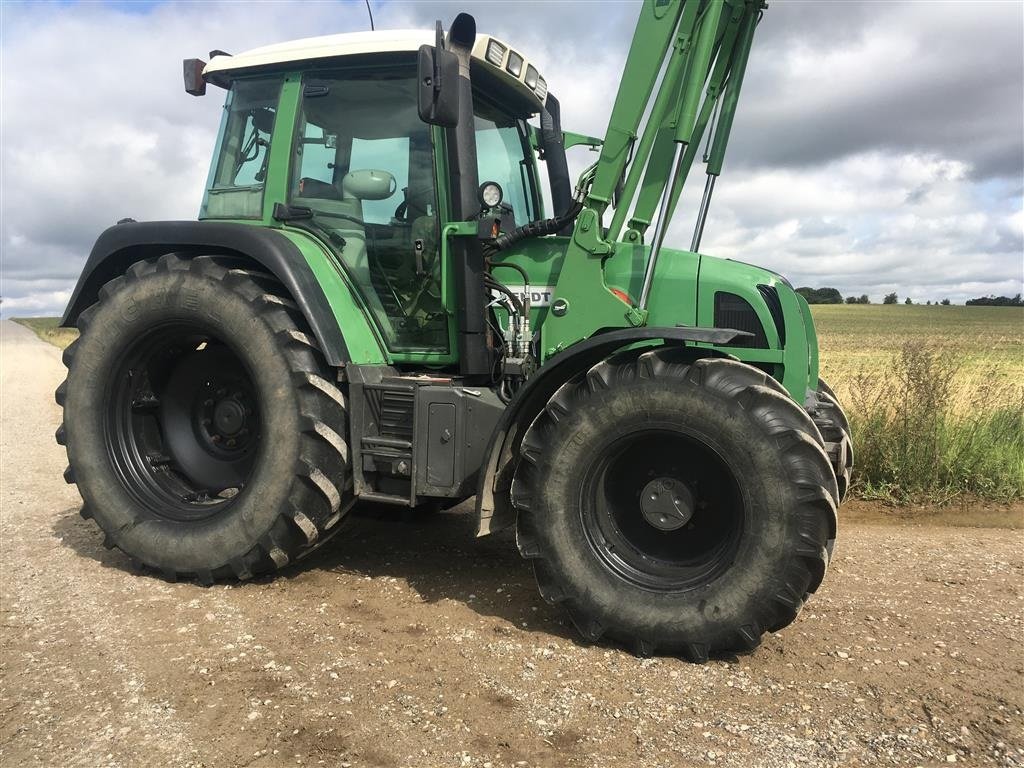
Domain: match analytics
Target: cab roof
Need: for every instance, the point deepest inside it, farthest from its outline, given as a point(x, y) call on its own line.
point(490, 55)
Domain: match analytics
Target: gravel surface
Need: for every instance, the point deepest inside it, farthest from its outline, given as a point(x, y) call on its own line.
point(410, 643)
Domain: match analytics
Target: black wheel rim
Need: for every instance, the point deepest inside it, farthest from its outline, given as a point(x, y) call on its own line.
point(183, 422)
point(685, 537)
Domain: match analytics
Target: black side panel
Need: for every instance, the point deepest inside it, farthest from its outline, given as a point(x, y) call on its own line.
point(736, 312)
point(122, 245)
point(493, 509)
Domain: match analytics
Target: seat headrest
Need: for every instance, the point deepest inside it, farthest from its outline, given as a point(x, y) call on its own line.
point(368, 185)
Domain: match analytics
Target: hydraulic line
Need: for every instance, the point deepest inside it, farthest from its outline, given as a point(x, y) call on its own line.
point(493, 284)
point(662, 226)
point(516, 267)
point(702, 214)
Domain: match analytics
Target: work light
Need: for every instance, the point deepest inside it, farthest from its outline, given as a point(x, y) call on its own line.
point(531, 76)
point(515, 63)
point(490, 194)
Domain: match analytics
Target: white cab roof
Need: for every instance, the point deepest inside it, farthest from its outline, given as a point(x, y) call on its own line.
point(323, 47)
point(385, 41)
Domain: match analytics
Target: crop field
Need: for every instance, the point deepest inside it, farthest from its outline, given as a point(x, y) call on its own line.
point(984, 344)
point(935, 397)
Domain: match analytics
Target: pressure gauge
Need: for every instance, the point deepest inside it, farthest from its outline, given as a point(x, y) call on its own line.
point(490, 194)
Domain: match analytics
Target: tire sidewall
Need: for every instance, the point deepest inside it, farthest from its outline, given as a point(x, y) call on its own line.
point(135, 306)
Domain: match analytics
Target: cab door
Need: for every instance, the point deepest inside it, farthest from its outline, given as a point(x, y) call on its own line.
point(365, 165)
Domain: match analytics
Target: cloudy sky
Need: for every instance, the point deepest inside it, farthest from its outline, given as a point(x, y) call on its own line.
point(879, 146)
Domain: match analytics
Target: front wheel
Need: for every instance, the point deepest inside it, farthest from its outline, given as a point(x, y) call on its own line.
point(675, 505)
point(201, 424)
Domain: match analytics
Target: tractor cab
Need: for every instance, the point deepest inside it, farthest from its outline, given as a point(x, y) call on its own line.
point(364, 171)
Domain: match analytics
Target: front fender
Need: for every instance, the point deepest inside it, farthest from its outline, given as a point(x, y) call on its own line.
point(123, 244)
point(494, 509)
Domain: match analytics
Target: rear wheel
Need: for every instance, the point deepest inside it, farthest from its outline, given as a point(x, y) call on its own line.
point(675, 505)
point(201, 423)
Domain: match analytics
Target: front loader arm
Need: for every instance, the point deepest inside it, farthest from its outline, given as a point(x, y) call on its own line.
point(701, 47)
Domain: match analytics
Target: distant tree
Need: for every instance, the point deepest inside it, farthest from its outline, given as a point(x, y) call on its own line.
point(945, 302)
point(995, 301)
point(928, 303)
point(821, 295)
point(908, 301)
point(890, 298)
point(863, 299)
point(851, 300)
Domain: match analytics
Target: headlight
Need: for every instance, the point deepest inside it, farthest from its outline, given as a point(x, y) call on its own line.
point(490, 194)
point(531, 76)
point(515, 63)
point(496, 53)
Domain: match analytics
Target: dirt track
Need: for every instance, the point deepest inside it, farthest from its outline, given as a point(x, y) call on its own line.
point(412, 644)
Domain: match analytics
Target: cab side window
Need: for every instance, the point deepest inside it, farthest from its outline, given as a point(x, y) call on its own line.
point(236, 182)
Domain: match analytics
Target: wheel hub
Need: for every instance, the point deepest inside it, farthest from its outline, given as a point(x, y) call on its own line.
point(666, 503)
point(229, 417)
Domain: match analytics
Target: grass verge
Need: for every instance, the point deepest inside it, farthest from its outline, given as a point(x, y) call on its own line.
point(918, 437)
point(46, 328)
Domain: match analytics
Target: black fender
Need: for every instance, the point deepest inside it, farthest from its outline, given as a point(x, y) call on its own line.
point(494, 509)
point(120, 246)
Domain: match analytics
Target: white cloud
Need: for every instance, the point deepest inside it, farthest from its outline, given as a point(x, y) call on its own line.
point(877, 145)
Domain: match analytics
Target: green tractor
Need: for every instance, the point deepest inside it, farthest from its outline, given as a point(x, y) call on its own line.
point(374, 306)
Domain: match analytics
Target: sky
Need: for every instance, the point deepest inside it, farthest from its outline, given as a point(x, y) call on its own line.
point(878, 146)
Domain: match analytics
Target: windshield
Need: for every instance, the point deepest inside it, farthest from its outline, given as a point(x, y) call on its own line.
point(504, 156)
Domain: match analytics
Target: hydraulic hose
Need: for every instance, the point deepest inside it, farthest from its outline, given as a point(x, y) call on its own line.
point(534, 229)
point(516, 267)
point(493, 284)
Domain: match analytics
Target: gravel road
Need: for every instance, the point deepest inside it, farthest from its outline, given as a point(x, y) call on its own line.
point(409, 643)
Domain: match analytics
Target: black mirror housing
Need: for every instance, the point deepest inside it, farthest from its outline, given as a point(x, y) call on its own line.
point(438, 91)
point(194, 82)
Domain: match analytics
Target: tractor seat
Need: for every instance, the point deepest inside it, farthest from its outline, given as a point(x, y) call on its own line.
point(347, 203)
point(318, 189)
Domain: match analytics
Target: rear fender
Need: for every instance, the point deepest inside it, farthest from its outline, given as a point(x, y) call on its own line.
point(494, 509)
point(120, 246)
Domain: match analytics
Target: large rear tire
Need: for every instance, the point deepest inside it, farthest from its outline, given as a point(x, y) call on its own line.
point(675, 505)
point(201, 423)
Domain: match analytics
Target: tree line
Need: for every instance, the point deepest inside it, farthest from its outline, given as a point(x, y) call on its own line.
point(833, 296)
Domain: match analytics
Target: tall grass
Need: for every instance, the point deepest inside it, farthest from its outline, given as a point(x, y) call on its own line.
point(918, 436)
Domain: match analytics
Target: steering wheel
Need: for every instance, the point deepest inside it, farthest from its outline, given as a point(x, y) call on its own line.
point(416, 202)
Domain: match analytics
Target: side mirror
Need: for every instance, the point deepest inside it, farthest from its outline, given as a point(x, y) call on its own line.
point(194, 83)
point(438, 77)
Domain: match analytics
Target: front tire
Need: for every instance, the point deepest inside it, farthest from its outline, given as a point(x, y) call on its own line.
point(675, 505)
point(201, 423)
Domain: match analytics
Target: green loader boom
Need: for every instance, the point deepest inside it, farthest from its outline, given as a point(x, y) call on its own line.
point(374, 307)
